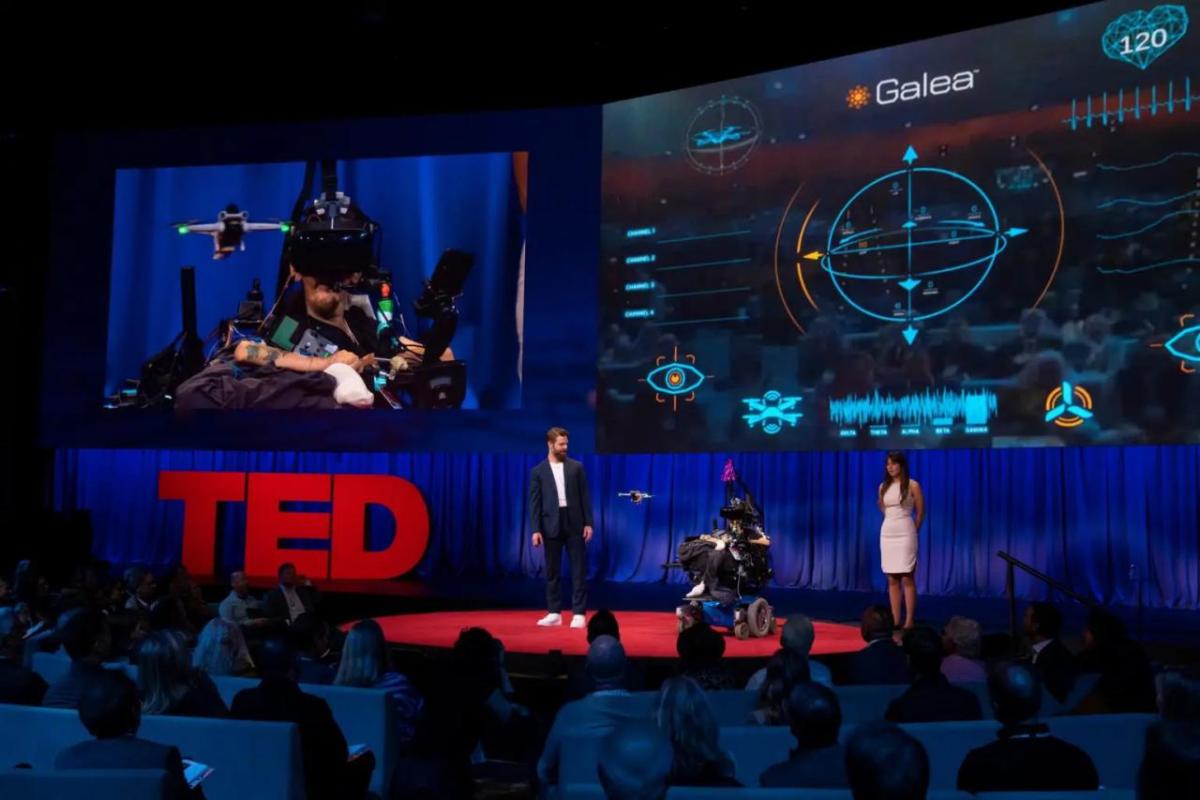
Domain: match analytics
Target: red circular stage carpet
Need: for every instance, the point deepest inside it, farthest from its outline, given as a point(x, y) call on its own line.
point(645, 634)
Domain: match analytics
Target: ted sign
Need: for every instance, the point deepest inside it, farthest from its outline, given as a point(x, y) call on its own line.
point(343, 526)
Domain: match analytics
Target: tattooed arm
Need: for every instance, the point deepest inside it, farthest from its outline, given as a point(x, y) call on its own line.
point(248, 352)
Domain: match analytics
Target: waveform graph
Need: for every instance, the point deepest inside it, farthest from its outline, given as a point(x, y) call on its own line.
point(1123, 106)
point(939, 409)
point(1150, 221)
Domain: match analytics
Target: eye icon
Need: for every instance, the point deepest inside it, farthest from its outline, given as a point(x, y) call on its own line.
point(1184, 345)
point(675, 377)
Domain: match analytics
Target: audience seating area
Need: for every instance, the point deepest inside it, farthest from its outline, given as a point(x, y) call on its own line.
point(236, 750)
point(94, 784)
point(364, 715)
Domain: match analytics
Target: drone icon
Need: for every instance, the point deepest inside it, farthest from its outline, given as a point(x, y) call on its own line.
point(772, 411)
point(715, 137)
point(1068, 406)
point(635, 495)
point(229, 230)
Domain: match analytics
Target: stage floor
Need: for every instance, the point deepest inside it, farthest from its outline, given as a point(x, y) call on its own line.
point(645, 634)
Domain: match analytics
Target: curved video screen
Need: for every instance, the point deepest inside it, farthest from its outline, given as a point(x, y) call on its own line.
point(352, 285)
point(986, 239)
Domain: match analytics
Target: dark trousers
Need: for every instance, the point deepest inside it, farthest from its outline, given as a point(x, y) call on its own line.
point(577, 551)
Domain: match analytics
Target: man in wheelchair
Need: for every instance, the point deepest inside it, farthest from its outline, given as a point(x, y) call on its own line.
point(732, 561)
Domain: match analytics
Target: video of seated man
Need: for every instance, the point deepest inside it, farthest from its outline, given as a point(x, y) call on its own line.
point(428, 320)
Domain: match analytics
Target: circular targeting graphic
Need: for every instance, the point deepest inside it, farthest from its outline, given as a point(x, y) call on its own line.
point(722, 135)
point(907, 245)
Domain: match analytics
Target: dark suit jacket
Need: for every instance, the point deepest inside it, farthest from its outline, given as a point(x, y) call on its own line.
point(934, 700)
point(322, 744)
point(1056, 668)
point(275, 604)
point(819, 768)
point(67, 691)
point(545, 516)
point(127, 752)
point(1017, 762)
point(880, 662)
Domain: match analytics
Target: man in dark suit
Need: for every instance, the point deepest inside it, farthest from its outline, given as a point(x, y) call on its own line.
point(1051, 660)
point(882, 660)
point(291, 598)
point(931, 698)
point(327, 773)
point(561, 511)
point(817, 760)
point(606, 708)
point(1024, 757)
point(87, 640)
point(111, 711)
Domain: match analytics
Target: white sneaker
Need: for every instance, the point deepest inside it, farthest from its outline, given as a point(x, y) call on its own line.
point(696, 591)
point(579, 621)
point(550, 620)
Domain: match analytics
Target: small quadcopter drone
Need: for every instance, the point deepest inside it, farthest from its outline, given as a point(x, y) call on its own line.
point(228, 232)
point(636, 495)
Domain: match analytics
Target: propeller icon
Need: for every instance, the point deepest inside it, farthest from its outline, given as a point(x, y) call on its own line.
point(1068, 406)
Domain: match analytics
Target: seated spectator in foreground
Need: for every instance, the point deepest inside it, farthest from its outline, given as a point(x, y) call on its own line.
point(327, 773)
point(885, 763)
point(221, 650)
point(962, 643)
point(1025, 757)
point(1126, 683)
point(110, 710)
point(602, 623)
point(635, 762)
point(1054, 664)
point(700, 650)
point(785, 669)
point(365, 664)
point(688, 721)
point(798, 635)
point(817, 761)
point(85, 637)
point(19, 685)
point(931, 698)
point(1170, 766)
point(317, 663)
point(881, 661)
point(601, 711)
point(169, 684)
point(1178, 695)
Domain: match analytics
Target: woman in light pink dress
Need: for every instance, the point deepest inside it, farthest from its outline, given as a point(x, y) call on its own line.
point(899, 496)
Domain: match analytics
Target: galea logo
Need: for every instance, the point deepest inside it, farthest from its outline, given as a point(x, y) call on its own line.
point(893, 90)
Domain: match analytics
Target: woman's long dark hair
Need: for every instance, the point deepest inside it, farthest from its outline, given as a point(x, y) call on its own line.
point(898, 458)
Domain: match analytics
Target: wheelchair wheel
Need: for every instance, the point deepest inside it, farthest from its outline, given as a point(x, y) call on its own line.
point(742, 630)
point(759, 617)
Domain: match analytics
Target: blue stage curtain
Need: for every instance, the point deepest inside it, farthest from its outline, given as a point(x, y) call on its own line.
point(1103, 519)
